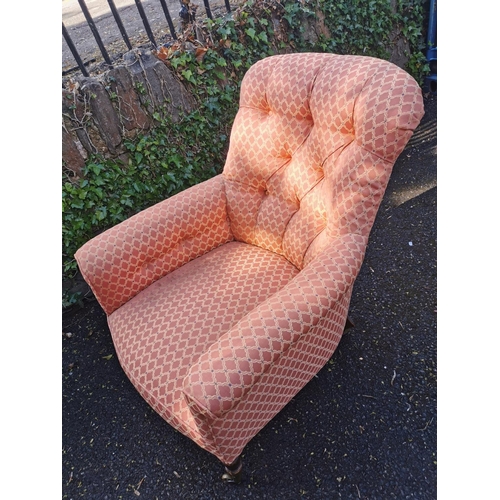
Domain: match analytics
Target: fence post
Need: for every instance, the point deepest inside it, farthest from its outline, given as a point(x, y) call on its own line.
point(169, 19)
point(118, 20)
point(73, 50)
point(140, 8)
point(207, 8)
point(93, 28)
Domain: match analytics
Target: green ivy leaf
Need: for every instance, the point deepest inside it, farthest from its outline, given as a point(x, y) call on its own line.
point(77, 204)
point(263, 36)
point(250, 32)
point(101, 213)
point(188, 75)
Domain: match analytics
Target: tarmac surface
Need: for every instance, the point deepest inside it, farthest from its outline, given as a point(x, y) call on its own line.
point(363, 428)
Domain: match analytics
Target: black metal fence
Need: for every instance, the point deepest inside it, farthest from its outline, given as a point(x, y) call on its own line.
point(186, 13)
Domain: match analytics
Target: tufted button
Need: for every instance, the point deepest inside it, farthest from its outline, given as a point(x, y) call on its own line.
point(319, 168)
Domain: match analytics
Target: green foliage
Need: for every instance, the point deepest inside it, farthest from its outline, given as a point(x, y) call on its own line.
point(71, 298)
point(366, 27)
point(410, 21)
point(359, 26)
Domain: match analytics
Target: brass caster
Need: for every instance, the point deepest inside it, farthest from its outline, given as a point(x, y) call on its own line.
point(233, 472)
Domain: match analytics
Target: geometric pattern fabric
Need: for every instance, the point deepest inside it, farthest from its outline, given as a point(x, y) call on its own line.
point(162, 332)
point(132, 255)
point(226, 299)
point(312, 149)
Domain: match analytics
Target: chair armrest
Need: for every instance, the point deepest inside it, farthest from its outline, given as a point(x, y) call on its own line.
point(122, 261)
point(233, 365)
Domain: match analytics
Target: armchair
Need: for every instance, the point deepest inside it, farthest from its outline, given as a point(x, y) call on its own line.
point(225, 300)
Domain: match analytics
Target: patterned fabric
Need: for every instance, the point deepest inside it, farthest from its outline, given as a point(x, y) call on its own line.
point(225, 300)
point(312, 149)
point(163, 331)
point(129, 257)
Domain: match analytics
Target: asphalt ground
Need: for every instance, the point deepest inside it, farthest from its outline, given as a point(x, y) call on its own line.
point(363, 428)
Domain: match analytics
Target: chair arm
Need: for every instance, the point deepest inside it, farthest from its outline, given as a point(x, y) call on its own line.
point(122, 261)
point(234, 364)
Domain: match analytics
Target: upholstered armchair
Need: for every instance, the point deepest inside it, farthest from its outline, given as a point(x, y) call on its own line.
point(225, 300)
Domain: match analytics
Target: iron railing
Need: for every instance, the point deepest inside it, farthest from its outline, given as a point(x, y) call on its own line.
point(186, 13)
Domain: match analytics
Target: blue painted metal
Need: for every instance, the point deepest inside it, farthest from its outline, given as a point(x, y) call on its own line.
point(430, 84)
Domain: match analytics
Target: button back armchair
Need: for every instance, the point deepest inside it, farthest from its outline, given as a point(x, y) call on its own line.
point(225, 300)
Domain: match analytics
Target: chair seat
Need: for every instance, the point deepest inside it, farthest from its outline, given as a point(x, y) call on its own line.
point(164, 329)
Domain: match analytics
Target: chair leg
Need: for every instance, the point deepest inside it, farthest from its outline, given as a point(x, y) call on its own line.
point(233, 472)
point(348, 324)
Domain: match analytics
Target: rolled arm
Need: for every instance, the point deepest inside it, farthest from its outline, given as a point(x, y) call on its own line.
point(232, 366)
point(125, 259)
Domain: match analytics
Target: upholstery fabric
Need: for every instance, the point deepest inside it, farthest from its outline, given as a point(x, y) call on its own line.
point(312, 149)
point(132, 255)
point(225, 300)
point(160, 333)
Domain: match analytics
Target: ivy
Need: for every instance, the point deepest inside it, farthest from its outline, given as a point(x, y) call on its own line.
point(358, 26)
point(365, 28)
point(410, 21)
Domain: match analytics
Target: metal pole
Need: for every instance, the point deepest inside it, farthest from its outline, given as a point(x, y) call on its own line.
point(228, 7)
point(72, 47)
point(93, 28)
point(140, 8)
point(207, 8)
point(169, 19)
point(120, 24)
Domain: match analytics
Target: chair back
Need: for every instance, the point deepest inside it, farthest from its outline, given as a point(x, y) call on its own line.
point(312, 148)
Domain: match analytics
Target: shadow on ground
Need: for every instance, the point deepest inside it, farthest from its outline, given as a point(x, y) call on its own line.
point(364, 428)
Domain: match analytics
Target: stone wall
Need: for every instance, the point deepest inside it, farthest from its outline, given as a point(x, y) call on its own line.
point(100, 112)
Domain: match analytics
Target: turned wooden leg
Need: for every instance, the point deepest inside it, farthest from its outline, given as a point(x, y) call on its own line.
point(233, 472)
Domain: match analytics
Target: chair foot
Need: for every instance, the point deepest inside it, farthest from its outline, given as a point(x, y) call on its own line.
point(348, 324)
point(233, 472)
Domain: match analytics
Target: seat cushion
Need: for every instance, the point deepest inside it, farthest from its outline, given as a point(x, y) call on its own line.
point(163, 330)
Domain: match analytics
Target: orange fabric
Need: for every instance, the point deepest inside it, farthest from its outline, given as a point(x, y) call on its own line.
point(225, 300)
point(162, 332)
point(234, 364)
point(312, 149)
point(284, 379)
point(129, 257)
